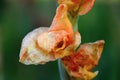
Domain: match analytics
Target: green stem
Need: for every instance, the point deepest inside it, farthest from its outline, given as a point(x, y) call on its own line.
point(75, 24)
point(74, 21)
point(63, 73)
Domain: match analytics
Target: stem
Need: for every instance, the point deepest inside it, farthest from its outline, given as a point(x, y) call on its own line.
point(63, 74)
point(74, 21)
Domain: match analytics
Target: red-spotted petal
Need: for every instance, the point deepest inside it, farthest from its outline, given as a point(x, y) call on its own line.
point(82, 62)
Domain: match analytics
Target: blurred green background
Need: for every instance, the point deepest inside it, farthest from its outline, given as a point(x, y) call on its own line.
point(18, 17)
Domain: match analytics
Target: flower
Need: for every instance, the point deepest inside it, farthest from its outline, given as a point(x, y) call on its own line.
point(81, 7)
point(84, 60)
point(61, 41)
point(48, 44)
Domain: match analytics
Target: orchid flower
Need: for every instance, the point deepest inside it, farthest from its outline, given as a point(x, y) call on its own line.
point(48, 44)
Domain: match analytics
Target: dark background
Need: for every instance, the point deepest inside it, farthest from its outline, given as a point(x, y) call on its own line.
point(18, 17)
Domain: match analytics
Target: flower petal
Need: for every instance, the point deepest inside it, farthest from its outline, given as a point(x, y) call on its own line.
point(61, 21)
point(59, 36)
point(71, 48)
point(77, 39)
point(57, 43)
point(30, 53)
point(60, 32)
point(82, 62)
point(53, 40)
point(86, 6)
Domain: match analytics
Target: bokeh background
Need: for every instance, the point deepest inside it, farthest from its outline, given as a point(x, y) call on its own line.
point(18, 17)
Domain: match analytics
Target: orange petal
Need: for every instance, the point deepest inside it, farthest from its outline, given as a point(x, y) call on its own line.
point(61, 21)
point(71, 48)
point(80, 64)
point(59, 36)
point(86, 6)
